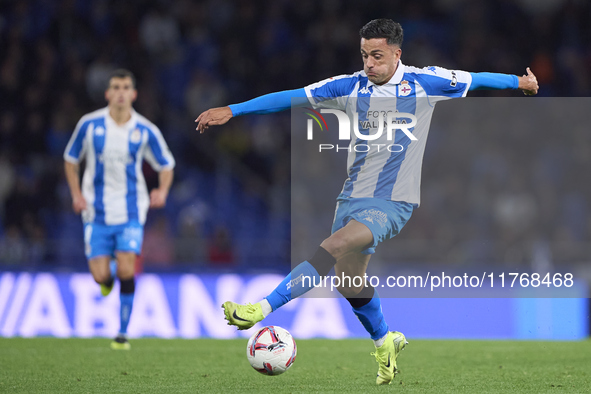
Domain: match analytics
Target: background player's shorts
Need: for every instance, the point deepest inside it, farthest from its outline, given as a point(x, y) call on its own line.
point(104, 240)
point(384, 218)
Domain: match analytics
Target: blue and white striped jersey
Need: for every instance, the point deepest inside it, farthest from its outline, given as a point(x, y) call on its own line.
point(389, 173)
point(113, 183)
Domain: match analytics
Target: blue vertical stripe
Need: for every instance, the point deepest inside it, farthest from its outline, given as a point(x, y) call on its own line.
point(99, 175)
point(362, 108)
point(131, 175)
point(389, 174)
point(76, 147)
point(156, 148)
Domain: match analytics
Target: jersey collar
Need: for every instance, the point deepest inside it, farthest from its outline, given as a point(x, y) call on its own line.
point(130, 123)
point(396, 78)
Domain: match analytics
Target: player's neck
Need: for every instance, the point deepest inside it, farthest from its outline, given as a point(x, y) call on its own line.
point(120, 115)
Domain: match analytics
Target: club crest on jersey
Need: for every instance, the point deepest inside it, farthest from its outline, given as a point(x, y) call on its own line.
point(404, 89)
point(99, 131)
point(136, 136)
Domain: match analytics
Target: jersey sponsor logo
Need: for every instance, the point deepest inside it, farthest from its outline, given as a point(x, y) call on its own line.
point(365, 90)
point(394, 121)
point(433, 69)
point(404, 89)
point(454, 79)
point(116, 157)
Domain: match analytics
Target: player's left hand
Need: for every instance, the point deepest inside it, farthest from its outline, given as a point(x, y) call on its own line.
point(213, 117)
point(528, 83)
point(158, 198)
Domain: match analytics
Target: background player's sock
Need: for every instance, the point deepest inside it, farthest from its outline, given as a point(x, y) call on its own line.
point(317, 267)
point(113, 268)
point(126, 297)
point(113, 271)
point(368, 308)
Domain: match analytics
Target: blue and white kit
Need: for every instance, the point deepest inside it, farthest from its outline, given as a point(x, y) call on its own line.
point(390, 175)
point(393, 174)
point(113, 184)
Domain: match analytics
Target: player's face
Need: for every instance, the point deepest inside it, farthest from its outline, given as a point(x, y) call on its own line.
point(121, 92)
point(379, 59)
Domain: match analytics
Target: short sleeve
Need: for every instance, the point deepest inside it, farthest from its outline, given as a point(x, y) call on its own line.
point(75, 149)
point(331, 93)
point(441, 84)
point(159, 156)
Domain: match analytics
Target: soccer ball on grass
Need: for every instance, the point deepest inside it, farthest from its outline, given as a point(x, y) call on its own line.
point(271, 350)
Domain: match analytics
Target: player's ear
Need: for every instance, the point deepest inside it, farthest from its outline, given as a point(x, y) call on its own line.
point(134, 95)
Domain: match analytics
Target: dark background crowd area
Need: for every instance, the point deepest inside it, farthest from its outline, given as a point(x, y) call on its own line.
point(229, 207)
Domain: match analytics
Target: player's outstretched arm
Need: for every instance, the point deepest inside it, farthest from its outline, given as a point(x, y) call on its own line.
point(266, 104)
point(494, 81)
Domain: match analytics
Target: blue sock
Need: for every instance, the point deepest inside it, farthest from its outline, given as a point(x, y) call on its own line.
point(289, 288)
point(113, 268)
point(125, 311)
point(126, 297)
point(372, 318)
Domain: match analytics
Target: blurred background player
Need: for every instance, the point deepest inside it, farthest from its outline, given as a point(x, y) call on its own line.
point(113, 198)
point(378, 197)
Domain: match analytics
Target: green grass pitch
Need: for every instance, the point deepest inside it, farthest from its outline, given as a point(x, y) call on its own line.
point(51, 365)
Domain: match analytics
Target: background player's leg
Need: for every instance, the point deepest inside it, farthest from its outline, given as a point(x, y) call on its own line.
point(364, 299)
point(99, 268)
point(125, 273)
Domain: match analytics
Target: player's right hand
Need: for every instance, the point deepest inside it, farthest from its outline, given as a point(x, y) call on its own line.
point(213, 117)
point(78, 203)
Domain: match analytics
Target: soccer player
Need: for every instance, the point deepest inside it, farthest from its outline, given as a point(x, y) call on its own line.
point(382, 188)
point(113, 198)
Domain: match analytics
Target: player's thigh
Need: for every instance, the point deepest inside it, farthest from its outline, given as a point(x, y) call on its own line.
point(126, 264)
point(129, 237)
point(354, 237)
point(99, 268)
point(129, 244)
point(353, 266)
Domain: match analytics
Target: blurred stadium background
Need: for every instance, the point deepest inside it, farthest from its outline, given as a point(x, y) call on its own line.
point(229, 208)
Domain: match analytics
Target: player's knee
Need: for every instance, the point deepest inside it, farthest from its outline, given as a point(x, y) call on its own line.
point(101, 277)
point(125, 272)
point(336, 245)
